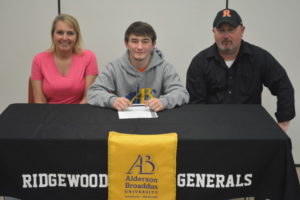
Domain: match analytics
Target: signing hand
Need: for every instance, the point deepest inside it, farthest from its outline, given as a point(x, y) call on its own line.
point(155, 104)
point(121, 103)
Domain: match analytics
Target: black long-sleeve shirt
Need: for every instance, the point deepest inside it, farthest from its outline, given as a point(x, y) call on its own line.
point(210, 81)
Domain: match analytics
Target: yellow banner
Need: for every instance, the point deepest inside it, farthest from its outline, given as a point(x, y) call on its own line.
point(142, 166)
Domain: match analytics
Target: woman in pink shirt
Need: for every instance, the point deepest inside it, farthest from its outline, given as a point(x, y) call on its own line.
point(63, 74)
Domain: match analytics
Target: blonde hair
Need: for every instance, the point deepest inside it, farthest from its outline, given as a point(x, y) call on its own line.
point(71, 21)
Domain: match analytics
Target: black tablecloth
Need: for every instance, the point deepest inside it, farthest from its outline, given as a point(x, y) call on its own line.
point(232, 141)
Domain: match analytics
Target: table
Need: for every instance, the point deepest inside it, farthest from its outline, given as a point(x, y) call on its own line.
point(224, 151)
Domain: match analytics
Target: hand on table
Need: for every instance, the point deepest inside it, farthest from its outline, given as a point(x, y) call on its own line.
point(155, 104)
point(121, 103)
point(284, 125)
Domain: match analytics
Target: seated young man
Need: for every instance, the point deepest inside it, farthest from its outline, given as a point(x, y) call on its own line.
point(140, 76)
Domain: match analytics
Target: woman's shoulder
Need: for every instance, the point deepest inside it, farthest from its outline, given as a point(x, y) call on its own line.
point(87, 52)
point(86, 55)
point(43, 55)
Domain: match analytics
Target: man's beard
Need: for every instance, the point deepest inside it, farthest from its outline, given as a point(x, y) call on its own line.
point(227, 50)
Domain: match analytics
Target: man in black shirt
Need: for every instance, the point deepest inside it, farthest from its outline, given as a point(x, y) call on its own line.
point(232, 71)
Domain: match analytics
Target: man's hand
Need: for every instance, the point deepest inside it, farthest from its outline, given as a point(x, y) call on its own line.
point(284, 125)
point(121, 103)
point(155, 104)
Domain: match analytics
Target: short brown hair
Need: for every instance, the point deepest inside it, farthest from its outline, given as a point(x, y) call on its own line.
point(140, 29)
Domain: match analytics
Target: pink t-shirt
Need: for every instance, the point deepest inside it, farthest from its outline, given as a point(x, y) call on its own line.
point(60, 89)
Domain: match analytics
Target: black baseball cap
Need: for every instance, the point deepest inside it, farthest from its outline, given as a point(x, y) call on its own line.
point(228, 16)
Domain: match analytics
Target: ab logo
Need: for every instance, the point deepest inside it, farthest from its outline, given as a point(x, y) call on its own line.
point(142, 95)
point(226, 13)
point(142, 165)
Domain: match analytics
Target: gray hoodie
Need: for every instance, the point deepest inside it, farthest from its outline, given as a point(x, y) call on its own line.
point(120, 79)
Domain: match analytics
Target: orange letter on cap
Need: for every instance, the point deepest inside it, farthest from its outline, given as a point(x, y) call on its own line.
point(226, 13)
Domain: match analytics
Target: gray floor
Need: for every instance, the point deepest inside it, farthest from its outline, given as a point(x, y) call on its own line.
point(298, 171)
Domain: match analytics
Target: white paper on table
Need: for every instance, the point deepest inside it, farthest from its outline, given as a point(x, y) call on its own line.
point(137, 111)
